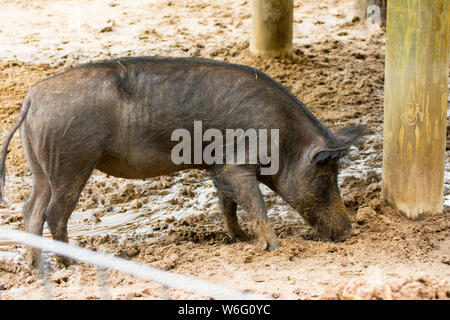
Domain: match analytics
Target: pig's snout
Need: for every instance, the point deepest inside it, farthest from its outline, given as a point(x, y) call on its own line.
point(334, 226)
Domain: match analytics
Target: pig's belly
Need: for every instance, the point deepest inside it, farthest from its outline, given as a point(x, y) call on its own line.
point(138, 165)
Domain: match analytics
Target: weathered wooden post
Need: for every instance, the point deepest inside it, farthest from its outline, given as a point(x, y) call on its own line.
point(416, 89)
point(272, 24)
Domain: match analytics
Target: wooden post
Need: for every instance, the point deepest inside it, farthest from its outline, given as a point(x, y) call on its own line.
point(360, 9)
point(272, 24)
point(415, 109)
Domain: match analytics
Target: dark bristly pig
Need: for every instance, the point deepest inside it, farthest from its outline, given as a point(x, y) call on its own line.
point(118, 116)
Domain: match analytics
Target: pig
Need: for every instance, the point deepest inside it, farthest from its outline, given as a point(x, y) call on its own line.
point(118, 115)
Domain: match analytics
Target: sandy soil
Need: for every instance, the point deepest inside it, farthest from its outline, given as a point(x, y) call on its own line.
point(174, 222)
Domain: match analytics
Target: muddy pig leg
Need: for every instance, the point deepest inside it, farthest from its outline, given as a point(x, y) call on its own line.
point(34, 214)
point(244, 185)
point(36, 205)
point(66, 190)
point(228, 207)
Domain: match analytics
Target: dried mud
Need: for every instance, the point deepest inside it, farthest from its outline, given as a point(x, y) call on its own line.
point(174, 222)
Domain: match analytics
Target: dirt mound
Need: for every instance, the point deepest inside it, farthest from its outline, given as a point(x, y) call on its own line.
point(421, 287)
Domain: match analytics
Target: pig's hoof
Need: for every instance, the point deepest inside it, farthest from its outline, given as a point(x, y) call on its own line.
point(236, 233)
point(239, 235)
point(66, 262)
point(274, 245)
point(32, 258)
point(270, 245)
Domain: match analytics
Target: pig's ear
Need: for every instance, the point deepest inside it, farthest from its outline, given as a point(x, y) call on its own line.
point(351, 135)
point(326, 155)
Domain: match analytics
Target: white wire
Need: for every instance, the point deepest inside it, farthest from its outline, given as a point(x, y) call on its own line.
point(164, 278)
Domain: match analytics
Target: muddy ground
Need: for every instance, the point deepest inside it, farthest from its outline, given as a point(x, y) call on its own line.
point(173, 222)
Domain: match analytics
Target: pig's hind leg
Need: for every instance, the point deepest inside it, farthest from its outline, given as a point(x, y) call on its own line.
point(244, 186)
point(67, 182)
point(36, 205)
point(228, 207)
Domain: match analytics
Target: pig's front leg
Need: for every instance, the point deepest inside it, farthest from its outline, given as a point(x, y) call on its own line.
point(228, 207)
point(245, 190)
